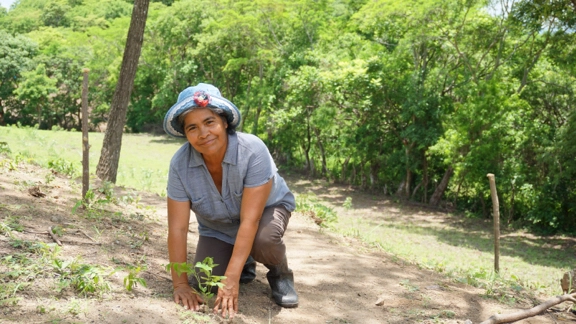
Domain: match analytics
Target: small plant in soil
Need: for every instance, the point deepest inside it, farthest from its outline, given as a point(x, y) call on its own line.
point(131, 280)
point(202, 272)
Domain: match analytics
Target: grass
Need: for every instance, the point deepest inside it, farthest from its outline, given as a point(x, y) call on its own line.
point(454, 245)
point(143, 164)
point(466, 253)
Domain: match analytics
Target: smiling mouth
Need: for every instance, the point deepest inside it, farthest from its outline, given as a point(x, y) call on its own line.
point(210, 141)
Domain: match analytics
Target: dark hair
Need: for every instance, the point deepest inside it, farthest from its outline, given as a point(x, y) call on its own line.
point(230, 130)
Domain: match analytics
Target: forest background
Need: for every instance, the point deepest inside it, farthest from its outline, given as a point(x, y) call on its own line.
point(417, 99)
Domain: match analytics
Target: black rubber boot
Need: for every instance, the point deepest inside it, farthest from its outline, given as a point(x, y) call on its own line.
point(249, 271)
point(281, 280)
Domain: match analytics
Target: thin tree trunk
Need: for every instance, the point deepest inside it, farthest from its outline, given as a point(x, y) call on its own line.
point(484, 211)
point(362, 176)
point(439, 192)
point(39, 109)
point(344, 168)
point(248, 91)
point(416, 189)
point(322, 153)
point(511, 210)
point(374, 168)
point(425, 197)
point(110, 155)
point(259, 108)
point(85, 144)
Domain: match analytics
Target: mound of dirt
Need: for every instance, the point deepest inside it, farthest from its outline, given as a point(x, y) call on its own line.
point(339, 280)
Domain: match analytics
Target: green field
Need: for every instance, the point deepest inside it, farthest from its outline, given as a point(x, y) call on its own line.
point(143, 162)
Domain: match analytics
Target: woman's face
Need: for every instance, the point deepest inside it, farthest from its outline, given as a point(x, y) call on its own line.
point(206, 132)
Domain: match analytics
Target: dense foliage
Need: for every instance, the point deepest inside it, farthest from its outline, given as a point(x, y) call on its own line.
point(419, 99)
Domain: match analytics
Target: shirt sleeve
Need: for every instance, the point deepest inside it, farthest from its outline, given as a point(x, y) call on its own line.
point(261, 168)
point(175, 189)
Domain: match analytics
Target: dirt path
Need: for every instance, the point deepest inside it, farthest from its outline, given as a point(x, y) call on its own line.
point(339, 280)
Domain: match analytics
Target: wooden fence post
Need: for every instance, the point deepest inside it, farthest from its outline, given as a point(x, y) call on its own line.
point(85, 146)
point(496, 211)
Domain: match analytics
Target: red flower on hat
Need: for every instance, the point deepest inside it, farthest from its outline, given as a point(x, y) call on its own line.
point(201, 98)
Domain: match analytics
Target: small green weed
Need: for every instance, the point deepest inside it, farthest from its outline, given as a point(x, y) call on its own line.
point(4, 148)
point(131, 281)
point(406, 284)
point(347, 203)
point(8, 292)
point(62, 166)
point(188, 317)
point(310, 204)
point(90, 279)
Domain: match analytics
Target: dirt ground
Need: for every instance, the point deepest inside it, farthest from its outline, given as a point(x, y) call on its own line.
point(339, 280)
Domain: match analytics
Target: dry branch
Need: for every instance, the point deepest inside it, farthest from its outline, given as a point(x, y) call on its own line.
point(54, 236)
point(81, 231)
point(507, 318)
point(80, 243)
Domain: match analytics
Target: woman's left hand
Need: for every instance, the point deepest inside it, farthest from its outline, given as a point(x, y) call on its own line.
point(227, 298)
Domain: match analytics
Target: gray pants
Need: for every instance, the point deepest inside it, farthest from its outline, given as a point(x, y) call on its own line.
point(268, 247)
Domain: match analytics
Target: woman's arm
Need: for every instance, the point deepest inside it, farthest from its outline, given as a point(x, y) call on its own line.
point(252, 206)
point(178, 220)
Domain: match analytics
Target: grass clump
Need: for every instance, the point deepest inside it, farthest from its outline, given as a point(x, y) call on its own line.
point(310, 205)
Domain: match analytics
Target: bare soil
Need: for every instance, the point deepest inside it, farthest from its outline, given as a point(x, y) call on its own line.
point(339, 280)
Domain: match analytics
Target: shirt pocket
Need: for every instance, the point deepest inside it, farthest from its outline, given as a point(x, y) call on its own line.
point(213, 211)
point(237, 196)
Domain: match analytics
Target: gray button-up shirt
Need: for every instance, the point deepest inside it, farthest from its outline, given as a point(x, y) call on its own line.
point(247, 163)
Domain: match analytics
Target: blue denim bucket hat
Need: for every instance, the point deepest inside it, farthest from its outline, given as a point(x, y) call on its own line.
point(201, 95)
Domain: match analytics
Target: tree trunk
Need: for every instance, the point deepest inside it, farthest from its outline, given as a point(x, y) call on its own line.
point(110, 155)
point(85, 144)
point(374, 168)
point(322, 153)
point(439, 192)
point(344, 168)
point(425, 181)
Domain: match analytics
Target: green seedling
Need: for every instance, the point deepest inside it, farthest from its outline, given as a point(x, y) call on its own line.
point(202, 272)
point(131, 280)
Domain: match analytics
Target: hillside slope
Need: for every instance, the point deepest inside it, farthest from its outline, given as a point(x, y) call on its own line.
point(339, 280)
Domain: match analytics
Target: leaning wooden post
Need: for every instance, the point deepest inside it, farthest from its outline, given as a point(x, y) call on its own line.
point(496, 211)
point(85, 146)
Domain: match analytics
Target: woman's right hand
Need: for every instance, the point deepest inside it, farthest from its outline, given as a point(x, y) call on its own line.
point(185, 296)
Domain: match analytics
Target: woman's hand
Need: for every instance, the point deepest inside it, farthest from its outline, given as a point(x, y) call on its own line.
point(227, 298)
point(185, 296)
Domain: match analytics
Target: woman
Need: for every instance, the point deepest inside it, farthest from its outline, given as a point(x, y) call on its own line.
point(242, 205)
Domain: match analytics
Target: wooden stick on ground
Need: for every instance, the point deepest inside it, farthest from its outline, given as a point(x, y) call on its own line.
point(81, 231)
point(80, 243)
point(507, 318)
point(54, 236)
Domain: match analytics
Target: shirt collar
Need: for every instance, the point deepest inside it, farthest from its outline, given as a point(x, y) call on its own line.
point(230, 157)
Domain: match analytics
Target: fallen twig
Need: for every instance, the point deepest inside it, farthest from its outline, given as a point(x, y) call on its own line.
point(507, 318)
point(159, 276)
point(81, 231)
point(76, 242)
point(32, 232)
point(54, 236)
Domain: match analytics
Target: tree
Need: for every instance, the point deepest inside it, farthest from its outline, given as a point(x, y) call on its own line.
point(110, 155)
point(34, 90)
point(15, 57)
